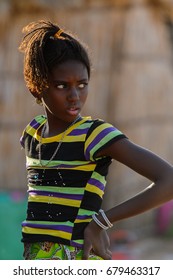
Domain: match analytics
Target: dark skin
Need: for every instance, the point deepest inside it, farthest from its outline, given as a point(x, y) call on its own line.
point(63, 101)
point(65, 97)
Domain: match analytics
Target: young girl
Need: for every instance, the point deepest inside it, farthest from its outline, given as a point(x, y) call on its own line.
point(68, 155)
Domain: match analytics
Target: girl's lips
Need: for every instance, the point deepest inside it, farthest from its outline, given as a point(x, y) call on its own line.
point(73, 111)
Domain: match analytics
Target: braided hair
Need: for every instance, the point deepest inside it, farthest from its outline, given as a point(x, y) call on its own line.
point(43, 50)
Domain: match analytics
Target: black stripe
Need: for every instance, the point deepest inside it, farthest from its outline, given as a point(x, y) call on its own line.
point(56, 178)
point(103, 165)
point(78, 230)
point(96, 123)
point(38, 211)
point(91, 201)
point(31, 238)
point(68, 151)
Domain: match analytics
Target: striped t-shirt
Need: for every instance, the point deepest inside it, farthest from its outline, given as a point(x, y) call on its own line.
point(63, 195)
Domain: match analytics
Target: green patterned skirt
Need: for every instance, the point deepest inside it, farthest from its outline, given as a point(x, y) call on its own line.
point(54, 251)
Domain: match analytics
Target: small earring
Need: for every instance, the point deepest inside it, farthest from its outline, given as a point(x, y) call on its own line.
point(39, 101)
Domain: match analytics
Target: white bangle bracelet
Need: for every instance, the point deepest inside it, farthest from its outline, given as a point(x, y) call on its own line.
point(98, 222)
point(106, 218)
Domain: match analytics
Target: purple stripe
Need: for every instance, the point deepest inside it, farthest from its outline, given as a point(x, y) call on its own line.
point(22, 141)
point(83, 217)
point(60, 195)
point(34, 124)
point(76, 132)
point(57, 227)
point(66, 166)
point(75, 244)
point(96, 183)
point(97, 139)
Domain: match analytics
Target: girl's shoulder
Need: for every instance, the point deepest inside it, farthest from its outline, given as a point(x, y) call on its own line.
point(99, 135)
point(99, 128)
point(91, 124)
point(36, 122)
point(94, 121)
point(31, 127)
point(98, 123)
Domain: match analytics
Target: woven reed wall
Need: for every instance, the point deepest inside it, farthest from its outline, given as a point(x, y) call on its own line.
point(131, 84)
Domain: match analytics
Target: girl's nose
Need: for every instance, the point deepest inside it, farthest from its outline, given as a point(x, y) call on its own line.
point(73, 94)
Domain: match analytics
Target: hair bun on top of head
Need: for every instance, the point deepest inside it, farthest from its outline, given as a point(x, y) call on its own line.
point(57, 35)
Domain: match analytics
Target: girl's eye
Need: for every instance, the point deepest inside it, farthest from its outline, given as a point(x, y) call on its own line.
point(61, 86)
point(82, 85)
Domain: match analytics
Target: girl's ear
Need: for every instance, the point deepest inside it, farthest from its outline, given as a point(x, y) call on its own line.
point(38, 97)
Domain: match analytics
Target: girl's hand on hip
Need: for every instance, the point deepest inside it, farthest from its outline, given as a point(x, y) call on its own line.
point(97, 239)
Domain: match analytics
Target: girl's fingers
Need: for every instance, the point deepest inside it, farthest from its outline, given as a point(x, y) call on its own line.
point(86, 250)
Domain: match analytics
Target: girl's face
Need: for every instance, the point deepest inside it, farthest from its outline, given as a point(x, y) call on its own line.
point(67, 92)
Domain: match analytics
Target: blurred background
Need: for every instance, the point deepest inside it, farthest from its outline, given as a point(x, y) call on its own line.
point(131, 46)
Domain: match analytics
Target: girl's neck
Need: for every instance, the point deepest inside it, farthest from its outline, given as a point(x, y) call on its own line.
point(55, 127)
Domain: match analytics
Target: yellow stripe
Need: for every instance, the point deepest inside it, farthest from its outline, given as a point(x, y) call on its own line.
point(90, 167)
point(52, 232)
point(30, 130)
point(94, 189)
point(58, 137)
point(75, 138)
point(84, 167)
point(82, 221)
point(54, 200)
